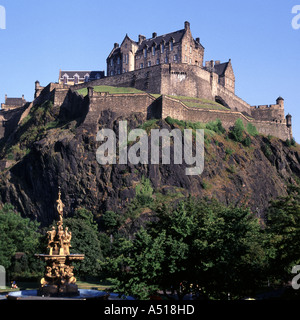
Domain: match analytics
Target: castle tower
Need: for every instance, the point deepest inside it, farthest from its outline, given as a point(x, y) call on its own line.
point(280, 102)
point(37, 89)
point(288, 120)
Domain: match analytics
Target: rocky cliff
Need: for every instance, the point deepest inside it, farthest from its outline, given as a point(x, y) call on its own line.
point(50, 149)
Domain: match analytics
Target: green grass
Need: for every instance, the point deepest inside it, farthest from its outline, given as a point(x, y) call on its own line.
point(199, 103)
point(110, 90)
point(188, 101)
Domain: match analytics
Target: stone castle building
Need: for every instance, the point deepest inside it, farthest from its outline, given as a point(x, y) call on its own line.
point(13, 103)
point(78, 77)
point(178, 47)
point(165, 68)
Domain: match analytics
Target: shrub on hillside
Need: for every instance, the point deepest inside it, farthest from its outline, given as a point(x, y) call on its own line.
point(237, 131)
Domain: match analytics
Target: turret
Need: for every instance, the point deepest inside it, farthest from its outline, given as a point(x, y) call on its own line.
point(288, 120)
point(38, 89)
point(280, 102)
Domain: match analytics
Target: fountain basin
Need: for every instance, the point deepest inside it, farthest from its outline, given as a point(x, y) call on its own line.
point(84, 294)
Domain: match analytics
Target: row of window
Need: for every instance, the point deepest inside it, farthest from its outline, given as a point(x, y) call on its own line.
point(149, 63)
point(76, 79)
point(175, 58)
point(162, 49)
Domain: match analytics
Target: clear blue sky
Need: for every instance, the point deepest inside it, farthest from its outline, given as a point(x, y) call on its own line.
point(42, 37)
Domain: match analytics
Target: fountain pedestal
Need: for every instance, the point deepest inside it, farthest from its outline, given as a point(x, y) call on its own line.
point(59, 277)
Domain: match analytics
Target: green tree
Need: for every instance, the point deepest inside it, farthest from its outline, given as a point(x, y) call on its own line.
point(144, 192)
point(283, 226)
point(18, 235)
point(201, 242)
point(85, 239)
point(228, 251)
point(111, 221)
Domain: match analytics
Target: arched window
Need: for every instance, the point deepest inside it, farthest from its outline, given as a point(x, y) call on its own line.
point(153, 50)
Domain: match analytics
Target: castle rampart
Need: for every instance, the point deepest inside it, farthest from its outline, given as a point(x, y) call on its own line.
point(178, 110)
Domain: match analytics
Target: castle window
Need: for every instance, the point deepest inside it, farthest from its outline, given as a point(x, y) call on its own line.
point(186, 47)
point(153, 50)
point(190, 61)
point(162, 48)
point(171, 46)
point(149, 63)
point(185, 59)
point(175, 57)
point(111, 73)
point(141, 65)
point(111, 62)
point(157, 61)
point(76, 79)
point(145, 53)
point(119, 71)
point(190, 49)
point(118, 60)
point(166, 60)
point(86, 78)
point(65, 79)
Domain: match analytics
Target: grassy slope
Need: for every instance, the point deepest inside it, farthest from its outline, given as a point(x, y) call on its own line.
point(188, 101)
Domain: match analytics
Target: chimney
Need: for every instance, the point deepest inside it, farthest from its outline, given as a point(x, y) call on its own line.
point(217, 62)
point(198, 40)
point(207, 64)
point(5, 98)
point(116, 45)
point(154, 35)
point(141, 38)
point(186, 25)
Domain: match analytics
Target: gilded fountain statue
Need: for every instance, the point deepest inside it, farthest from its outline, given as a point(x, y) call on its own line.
point(59, 279)
point(59, 282)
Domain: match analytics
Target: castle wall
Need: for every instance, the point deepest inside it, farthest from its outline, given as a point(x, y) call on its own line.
point(177, 110)
point(122, 104)
point(147, 79)
point(268, 112)
point(175, 79)
point(235, 103)
point(186, 80)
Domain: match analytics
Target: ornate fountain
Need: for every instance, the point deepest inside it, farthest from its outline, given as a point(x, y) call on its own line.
point(59, 282)
point(59, 277)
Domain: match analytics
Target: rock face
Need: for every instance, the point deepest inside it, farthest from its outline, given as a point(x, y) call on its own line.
point(62, 152)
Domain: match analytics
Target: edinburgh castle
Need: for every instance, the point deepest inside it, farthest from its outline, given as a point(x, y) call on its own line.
point(171, 79)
